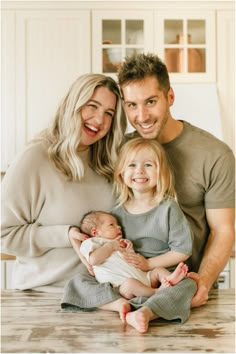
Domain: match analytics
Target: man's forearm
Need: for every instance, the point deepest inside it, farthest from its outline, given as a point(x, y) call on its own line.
point(216, 255)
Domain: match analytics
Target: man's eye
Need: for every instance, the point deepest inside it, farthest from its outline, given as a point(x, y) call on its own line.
point(131, 105)
point(151, 102)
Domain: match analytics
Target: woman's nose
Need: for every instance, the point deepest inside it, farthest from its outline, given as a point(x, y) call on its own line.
point(99, 117)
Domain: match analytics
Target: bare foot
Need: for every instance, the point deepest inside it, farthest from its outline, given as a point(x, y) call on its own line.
point(124, 309)
point(178, 274)
point(120, 305)
point(139, 320)
point(164, 284)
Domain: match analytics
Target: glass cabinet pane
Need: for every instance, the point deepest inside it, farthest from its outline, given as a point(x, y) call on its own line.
point(120, 38)
point(174, 59)
point(134, 32)
point(131, 51)
point(196, 60)
point(184, 42)
point(111, 59)
point(196, 31)
point(111, 31)
point(172, 29)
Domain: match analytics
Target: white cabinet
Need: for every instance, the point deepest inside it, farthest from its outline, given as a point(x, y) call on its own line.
point(44, 52)
point(185, 40)
point(226, 72)
point(117, 34)
point(8, 92)
point(6, 274)
point(47, 44)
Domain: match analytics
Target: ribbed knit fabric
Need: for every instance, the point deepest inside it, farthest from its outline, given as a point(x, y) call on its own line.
point(83, 293)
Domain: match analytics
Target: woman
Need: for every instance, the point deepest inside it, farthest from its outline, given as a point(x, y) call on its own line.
point(62, 174)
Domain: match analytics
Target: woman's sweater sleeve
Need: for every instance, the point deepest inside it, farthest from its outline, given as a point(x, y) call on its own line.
point(23, 198)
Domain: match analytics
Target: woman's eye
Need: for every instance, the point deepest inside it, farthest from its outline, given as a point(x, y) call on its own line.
point(92, 106)
point(110, 114)
point(131, 165)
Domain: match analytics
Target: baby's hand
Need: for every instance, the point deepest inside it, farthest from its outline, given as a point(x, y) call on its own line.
point(123, 243)
point(127, 244)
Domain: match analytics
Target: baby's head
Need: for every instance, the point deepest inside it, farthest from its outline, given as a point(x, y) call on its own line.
point(100, 224)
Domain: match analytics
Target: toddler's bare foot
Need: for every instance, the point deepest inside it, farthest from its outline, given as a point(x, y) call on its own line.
point(124, 309)
point(139, 320)
point(120, 305)
point(178, 274)
point(164, 284)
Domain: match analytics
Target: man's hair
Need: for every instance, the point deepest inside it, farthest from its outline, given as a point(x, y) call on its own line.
point(139, 66)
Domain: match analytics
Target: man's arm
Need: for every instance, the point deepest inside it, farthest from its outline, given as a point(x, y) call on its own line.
point(217, 251)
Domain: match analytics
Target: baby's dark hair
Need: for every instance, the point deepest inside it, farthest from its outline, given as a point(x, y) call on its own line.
point(90, 220)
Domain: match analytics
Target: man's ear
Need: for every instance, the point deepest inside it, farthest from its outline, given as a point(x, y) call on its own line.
point(171, 96)
point(94, 231)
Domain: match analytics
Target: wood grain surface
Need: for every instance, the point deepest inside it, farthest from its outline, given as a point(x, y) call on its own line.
point(33, 322)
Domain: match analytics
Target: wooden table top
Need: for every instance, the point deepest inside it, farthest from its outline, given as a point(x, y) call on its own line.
point(33, 322)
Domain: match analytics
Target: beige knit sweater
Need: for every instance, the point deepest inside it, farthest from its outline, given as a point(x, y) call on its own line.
point(38, 206)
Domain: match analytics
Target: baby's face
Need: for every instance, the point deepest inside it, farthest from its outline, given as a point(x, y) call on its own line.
point(108, 227)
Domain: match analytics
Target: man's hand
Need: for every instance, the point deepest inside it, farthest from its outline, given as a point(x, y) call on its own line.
point(76, 237)
point(201, 296)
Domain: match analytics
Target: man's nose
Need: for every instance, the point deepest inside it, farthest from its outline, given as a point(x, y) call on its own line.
point(142, 114)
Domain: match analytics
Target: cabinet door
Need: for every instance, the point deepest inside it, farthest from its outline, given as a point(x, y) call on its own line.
point(226, 73)
point(117, 34)
point(52, 48)
point(7, 88)
point(185, 40)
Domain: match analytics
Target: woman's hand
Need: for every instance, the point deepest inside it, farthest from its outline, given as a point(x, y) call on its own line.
point(201, 296)
point(76, 237)
point(137, 260)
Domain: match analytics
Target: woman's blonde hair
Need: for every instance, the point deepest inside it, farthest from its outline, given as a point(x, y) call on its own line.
point(63, 136)
point(164, 188)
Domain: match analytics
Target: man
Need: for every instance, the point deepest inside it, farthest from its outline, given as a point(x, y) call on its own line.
point(203, 166)
point(204, 174)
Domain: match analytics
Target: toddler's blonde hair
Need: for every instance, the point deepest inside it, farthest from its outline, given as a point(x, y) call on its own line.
point(164, 188)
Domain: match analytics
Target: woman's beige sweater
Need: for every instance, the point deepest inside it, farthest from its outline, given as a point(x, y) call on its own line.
point(38, 206)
